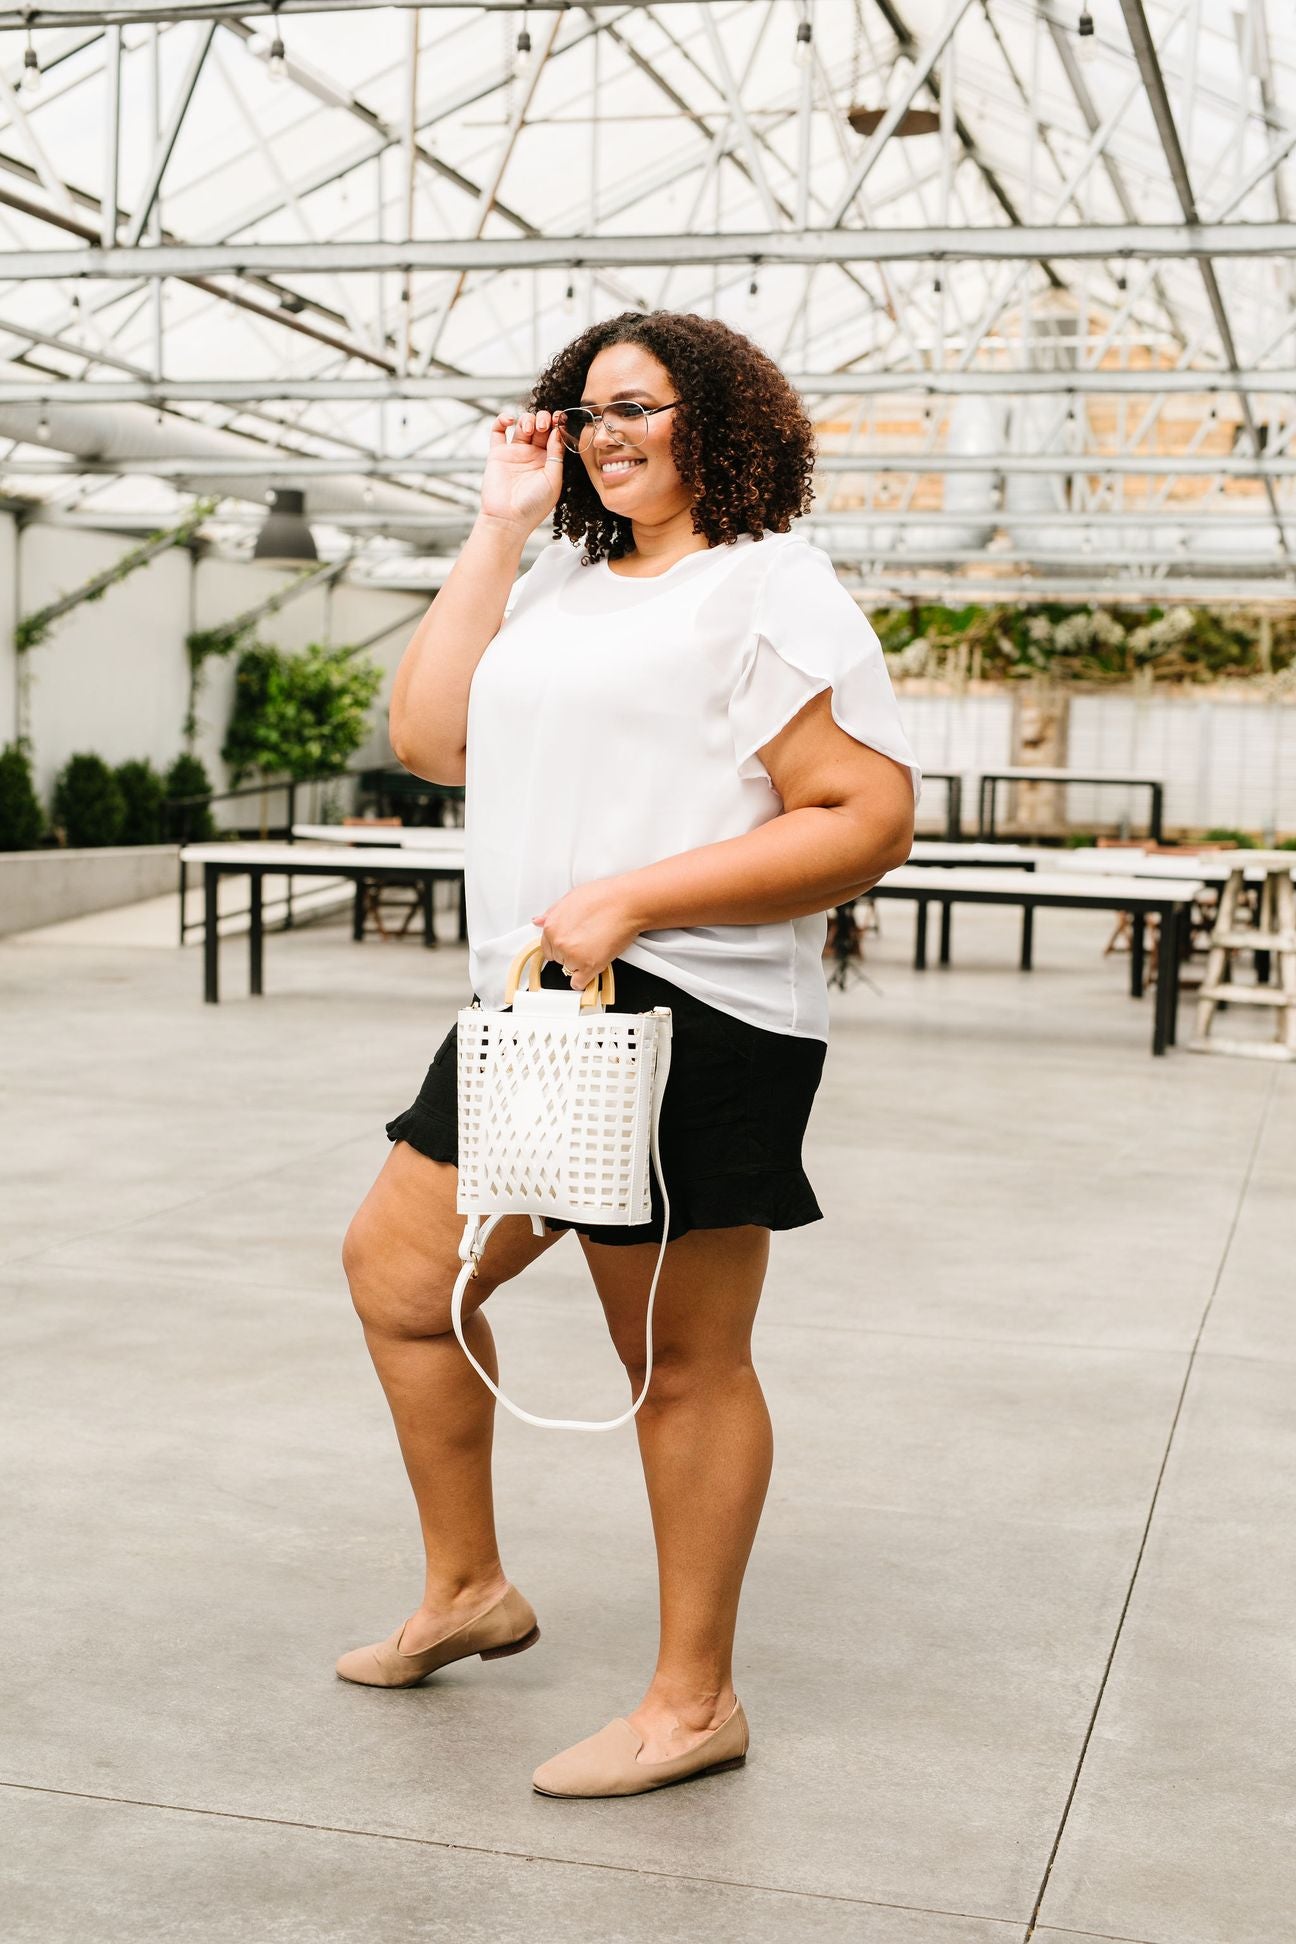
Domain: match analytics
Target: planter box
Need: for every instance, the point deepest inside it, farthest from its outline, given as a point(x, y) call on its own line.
point(43, 886)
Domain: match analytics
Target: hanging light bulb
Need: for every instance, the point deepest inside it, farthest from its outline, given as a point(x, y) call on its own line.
point(276, 63)
point(368, 496)
point(569, 297)
point(522, 55)
point(753, 293)
point(43, 429)
point(803, 49)
point(31, 74)
point(1087, 39)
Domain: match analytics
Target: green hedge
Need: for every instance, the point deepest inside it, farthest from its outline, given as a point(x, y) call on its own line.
point(22, 822)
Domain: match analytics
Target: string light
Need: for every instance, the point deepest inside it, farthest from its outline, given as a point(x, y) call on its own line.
point(522, 53)
point(569, 297)
point(803, 50)
point(43, 429)
point(276, 64)
point(1086, 38)
point(31, 74)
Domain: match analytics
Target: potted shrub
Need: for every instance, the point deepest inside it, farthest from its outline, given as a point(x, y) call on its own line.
point(187, 823)
point(143, 795)
point(88, 805)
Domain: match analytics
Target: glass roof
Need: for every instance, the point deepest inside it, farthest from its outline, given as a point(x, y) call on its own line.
point(994, 398)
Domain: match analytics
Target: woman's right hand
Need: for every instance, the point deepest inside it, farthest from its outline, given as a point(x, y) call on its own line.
point(524, 475)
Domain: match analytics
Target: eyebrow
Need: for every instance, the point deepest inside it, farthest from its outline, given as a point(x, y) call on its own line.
point(631, 393)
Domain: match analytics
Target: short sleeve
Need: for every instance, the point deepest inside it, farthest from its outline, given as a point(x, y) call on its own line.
point(549, 561)
point(809, 635)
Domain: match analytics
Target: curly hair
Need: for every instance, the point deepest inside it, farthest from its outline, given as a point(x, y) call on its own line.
point(743, 443)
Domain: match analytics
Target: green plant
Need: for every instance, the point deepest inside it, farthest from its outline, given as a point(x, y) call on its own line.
point(1242, 838)
point(21, 823)
point(202, 646)
point(1086, 643)
point(187, 823)
point(88, 805)
point(32, 629)
point(1079, 840)
point(299, 715)
point(144, 795)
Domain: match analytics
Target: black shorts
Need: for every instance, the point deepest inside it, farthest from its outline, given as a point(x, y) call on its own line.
point(732, 1119)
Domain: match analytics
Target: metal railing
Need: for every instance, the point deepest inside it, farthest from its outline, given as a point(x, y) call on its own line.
point(389, 788)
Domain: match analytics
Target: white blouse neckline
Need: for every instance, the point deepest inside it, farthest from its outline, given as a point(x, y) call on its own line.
point(697, 553)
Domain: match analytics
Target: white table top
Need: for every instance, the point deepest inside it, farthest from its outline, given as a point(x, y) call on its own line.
point(1041, 884)
point(1213, 867)
point(936, 850)
point(1210, 867)
point(404, 837)
point(284, 857)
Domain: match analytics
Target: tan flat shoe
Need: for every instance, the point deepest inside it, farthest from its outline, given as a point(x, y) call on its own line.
point(607, 1764)
point(507, 1627)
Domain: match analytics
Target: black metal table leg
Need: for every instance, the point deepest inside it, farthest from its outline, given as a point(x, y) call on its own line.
point(463, 910)
point(1138, 927)
point(1176, 922)
point(920, 937)
point(1028, 936)
point(954, 809)
point(211, 934)
point(358, 911)
point(1167, 983)
point(947, 925)
point(256, 937)
point(1154, 821)
point(429, 925)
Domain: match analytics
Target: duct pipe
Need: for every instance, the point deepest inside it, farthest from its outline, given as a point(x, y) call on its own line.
point(132, 432)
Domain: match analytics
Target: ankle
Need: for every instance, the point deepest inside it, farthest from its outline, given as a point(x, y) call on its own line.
point(463, 1593)
point(693, 1705)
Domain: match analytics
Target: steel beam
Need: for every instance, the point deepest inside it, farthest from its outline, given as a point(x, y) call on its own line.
point(471, 386)
point(993, 245)
point(167, 140)
point(1145, 54)
point(70, 13)
point(275, 460)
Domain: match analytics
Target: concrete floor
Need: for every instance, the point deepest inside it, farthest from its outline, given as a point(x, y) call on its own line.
point(1016, 1641)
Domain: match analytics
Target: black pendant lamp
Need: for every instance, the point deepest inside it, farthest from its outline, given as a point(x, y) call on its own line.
point(285, 539)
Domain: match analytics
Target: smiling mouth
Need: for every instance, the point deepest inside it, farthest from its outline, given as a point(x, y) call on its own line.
point(619, 468)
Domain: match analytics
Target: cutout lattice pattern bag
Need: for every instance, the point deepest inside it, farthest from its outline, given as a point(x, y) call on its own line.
point(559, 1114)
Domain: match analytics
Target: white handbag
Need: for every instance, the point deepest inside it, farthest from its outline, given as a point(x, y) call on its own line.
point(559, 1112)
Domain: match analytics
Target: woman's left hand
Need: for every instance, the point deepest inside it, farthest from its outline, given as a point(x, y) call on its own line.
point(587, 928)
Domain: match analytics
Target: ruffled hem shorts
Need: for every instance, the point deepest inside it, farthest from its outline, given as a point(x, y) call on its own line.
point(732, 1120)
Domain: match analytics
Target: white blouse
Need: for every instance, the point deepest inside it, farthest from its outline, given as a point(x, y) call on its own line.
point(615, 721)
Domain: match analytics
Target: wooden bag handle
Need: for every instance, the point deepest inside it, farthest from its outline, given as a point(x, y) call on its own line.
point(602, 991)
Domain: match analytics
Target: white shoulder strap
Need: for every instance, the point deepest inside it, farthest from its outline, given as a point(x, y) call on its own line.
point(477, 1232)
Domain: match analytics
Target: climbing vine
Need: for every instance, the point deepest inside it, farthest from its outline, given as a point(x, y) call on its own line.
point(35, 628)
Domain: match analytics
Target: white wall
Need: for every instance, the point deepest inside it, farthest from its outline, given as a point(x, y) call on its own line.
point(1227, 760)
point(113, 675)
point(963, 733)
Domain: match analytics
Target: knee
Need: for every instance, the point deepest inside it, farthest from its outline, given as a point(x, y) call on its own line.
point(401, 1292)
point(679, 1378)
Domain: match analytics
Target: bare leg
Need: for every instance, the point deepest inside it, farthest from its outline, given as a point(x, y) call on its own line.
point(707, 1447)
point(401, 1259)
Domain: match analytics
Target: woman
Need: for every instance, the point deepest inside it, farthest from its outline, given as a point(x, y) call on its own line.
point(681, 748)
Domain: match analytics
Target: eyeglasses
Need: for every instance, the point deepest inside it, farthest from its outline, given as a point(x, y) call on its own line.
point(626, 419)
